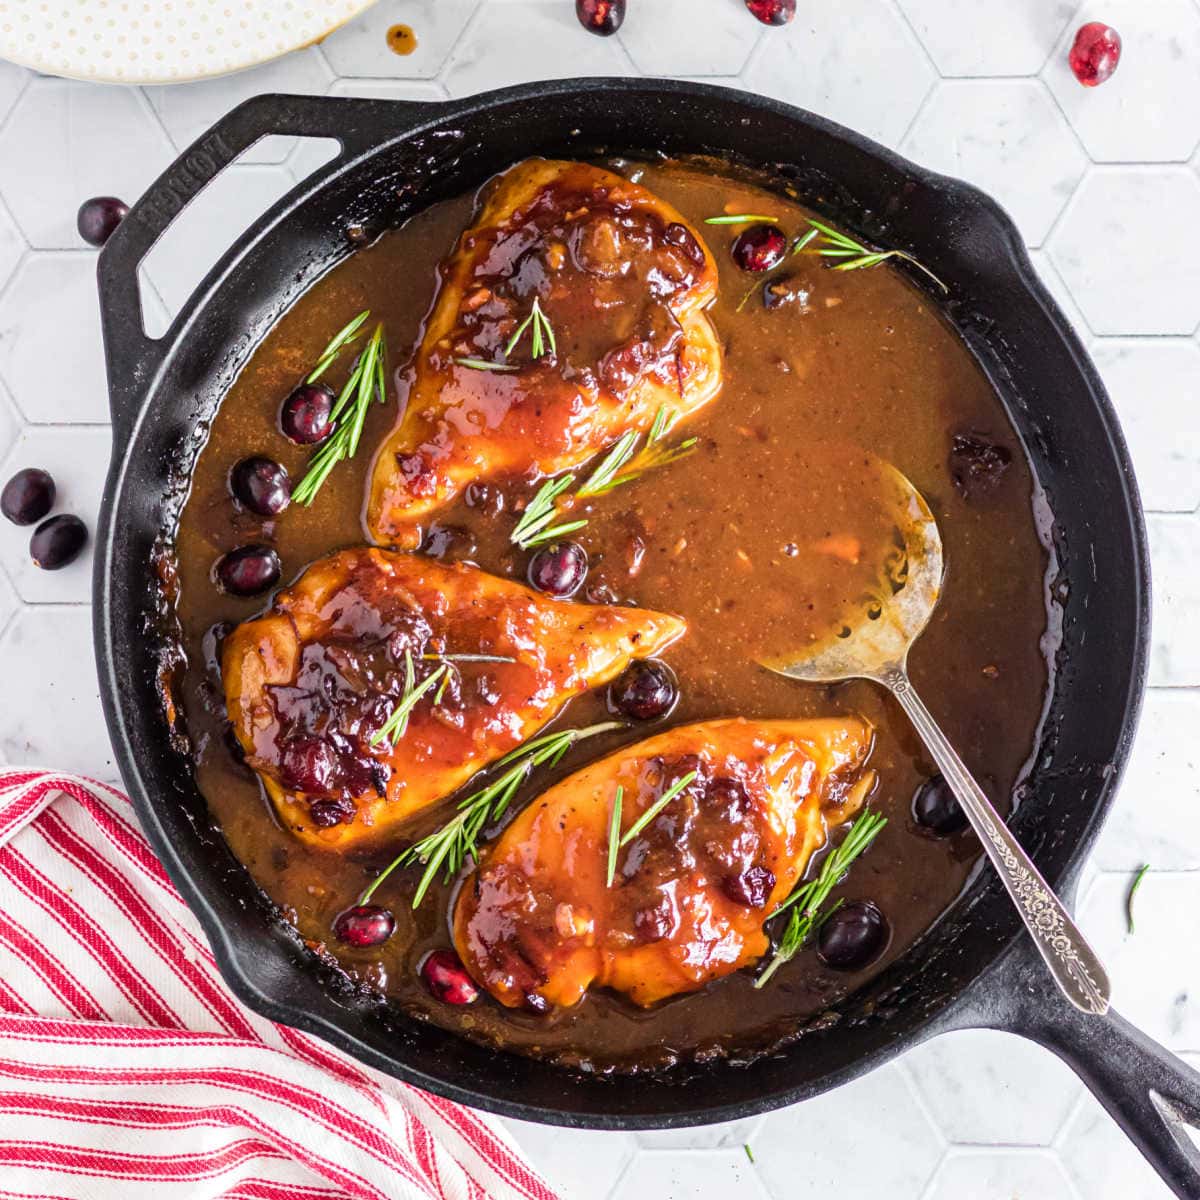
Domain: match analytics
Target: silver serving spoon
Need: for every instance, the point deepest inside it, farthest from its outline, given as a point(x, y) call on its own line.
point(875, 646)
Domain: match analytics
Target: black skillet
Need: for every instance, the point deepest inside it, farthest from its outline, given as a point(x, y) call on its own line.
point(976, 968)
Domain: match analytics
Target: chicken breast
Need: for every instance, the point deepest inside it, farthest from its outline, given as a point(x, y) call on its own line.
point(536, 924)
point(622, 280)
point(310, 685)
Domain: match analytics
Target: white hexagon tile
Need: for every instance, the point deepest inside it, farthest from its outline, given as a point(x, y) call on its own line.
point(1103, 183)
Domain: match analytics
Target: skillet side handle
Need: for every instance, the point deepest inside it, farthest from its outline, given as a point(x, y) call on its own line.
point(1147, 1090)
point(132, 358)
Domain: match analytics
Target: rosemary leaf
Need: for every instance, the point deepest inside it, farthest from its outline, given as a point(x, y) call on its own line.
point(449, 846)
point(737, 219)
point(806, 901)
point(342, 338)
point(614, 835)
point(540, 511)
point(395, 727)
point(480, 364)
point(830, 243)
point(657, 807)
point(1133, 887)
point(541, 333)
point(602, 477)
point(452, 658)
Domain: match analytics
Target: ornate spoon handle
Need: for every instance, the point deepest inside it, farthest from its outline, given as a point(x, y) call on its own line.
point(1072, 962)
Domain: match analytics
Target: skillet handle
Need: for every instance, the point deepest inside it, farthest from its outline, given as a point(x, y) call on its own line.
point(1147, 1090)
point(132, 358)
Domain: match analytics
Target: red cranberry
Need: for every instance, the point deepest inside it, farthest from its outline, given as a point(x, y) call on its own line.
point(57, 542)
point(752, 887)
point(262, 485)
point(99, 217)
point(726, 798)
point(853, 937)
point(934, 808)
point(759, 248)
point(364, 925)
point(655, 922)
point(645, 690)
point(28, 496)
point(559, 570)
point(304, 417)
point(602, 17)
point(308, 764)
point(772, 12)
point(248, 570)
point(1095, 53)
point(325, 814)
point(446, 978)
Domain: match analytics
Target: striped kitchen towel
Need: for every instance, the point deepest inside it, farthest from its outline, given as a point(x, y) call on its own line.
point(128, 1069)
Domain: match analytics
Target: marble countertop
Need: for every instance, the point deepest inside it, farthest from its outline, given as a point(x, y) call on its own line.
point(1105, 186)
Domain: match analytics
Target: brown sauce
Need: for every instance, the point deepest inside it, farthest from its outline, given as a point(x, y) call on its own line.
point(747, 538)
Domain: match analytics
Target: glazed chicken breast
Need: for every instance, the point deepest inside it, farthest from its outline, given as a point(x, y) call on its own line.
point(622, 281)
point(537, 925)
point(310, 686)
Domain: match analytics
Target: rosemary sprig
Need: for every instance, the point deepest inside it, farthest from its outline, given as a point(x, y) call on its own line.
point(621, 465)
point(737, 219)
point(535, 527)
point(1133, 887)
point(601, 479)
point(457, 658)
point(349, 414)
point(656, 808)
point(830, 243)
point(541, 336)
point(481, 364)
point(448, 847)
point(614, 835)
point(806, 901)
point(344, 336)
point(395, 727)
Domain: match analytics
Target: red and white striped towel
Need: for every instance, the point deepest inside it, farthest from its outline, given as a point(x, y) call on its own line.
point(128, 1069)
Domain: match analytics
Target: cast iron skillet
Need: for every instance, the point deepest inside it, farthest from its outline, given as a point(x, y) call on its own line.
point(975, 968)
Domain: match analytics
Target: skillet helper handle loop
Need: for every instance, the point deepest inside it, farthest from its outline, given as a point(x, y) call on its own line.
point(132, 358)
point(1074, 965)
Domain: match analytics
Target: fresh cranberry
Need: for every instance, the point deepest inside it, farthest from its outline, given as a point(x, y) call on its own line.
point(853, 937)
point(559, 570)
point(307, 764)
point(935, 808)
point(752, 887)
point(57, 542)
point(772, 12)
point(364, 925)
point(602, 17)
point(325, 814)
point(304, 417)
point(1095, 53)
point(28, 496)
point(760, 247)
point(98, 218)
point(645, 690)
point(248, 570)
point(262, 485)
point(446, 978)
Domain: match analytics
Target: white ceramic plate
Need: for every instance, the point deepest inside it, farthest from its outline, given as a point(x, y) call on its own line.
point(161, 41)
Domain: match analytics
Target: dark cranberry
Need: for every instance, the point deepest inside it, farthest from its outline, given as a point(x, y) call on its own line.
point(304, 417)
point(645, 690)
point(977, 465)
point(307, 764)
point(759, 248)
point(772, 12)
point(935, 808)
point(600, 16)
point(485, 498)
point(364, 925)
point(559, 570)
point(262, 485)
point(752, 887)
point(248, 570)
point(28, 496)
point(98, 217)
point(449, 543)
point(57, 542)
point(854, 936)
point(788, 289)
point(447, 979)
point(1095, 53)
point(327, 813)
point(677, 234)
point(726, 797)
point(655, 922)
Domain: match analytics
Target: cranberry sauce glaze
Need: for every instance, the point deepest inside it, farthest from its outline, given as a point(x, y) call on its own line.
point(764, 535)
